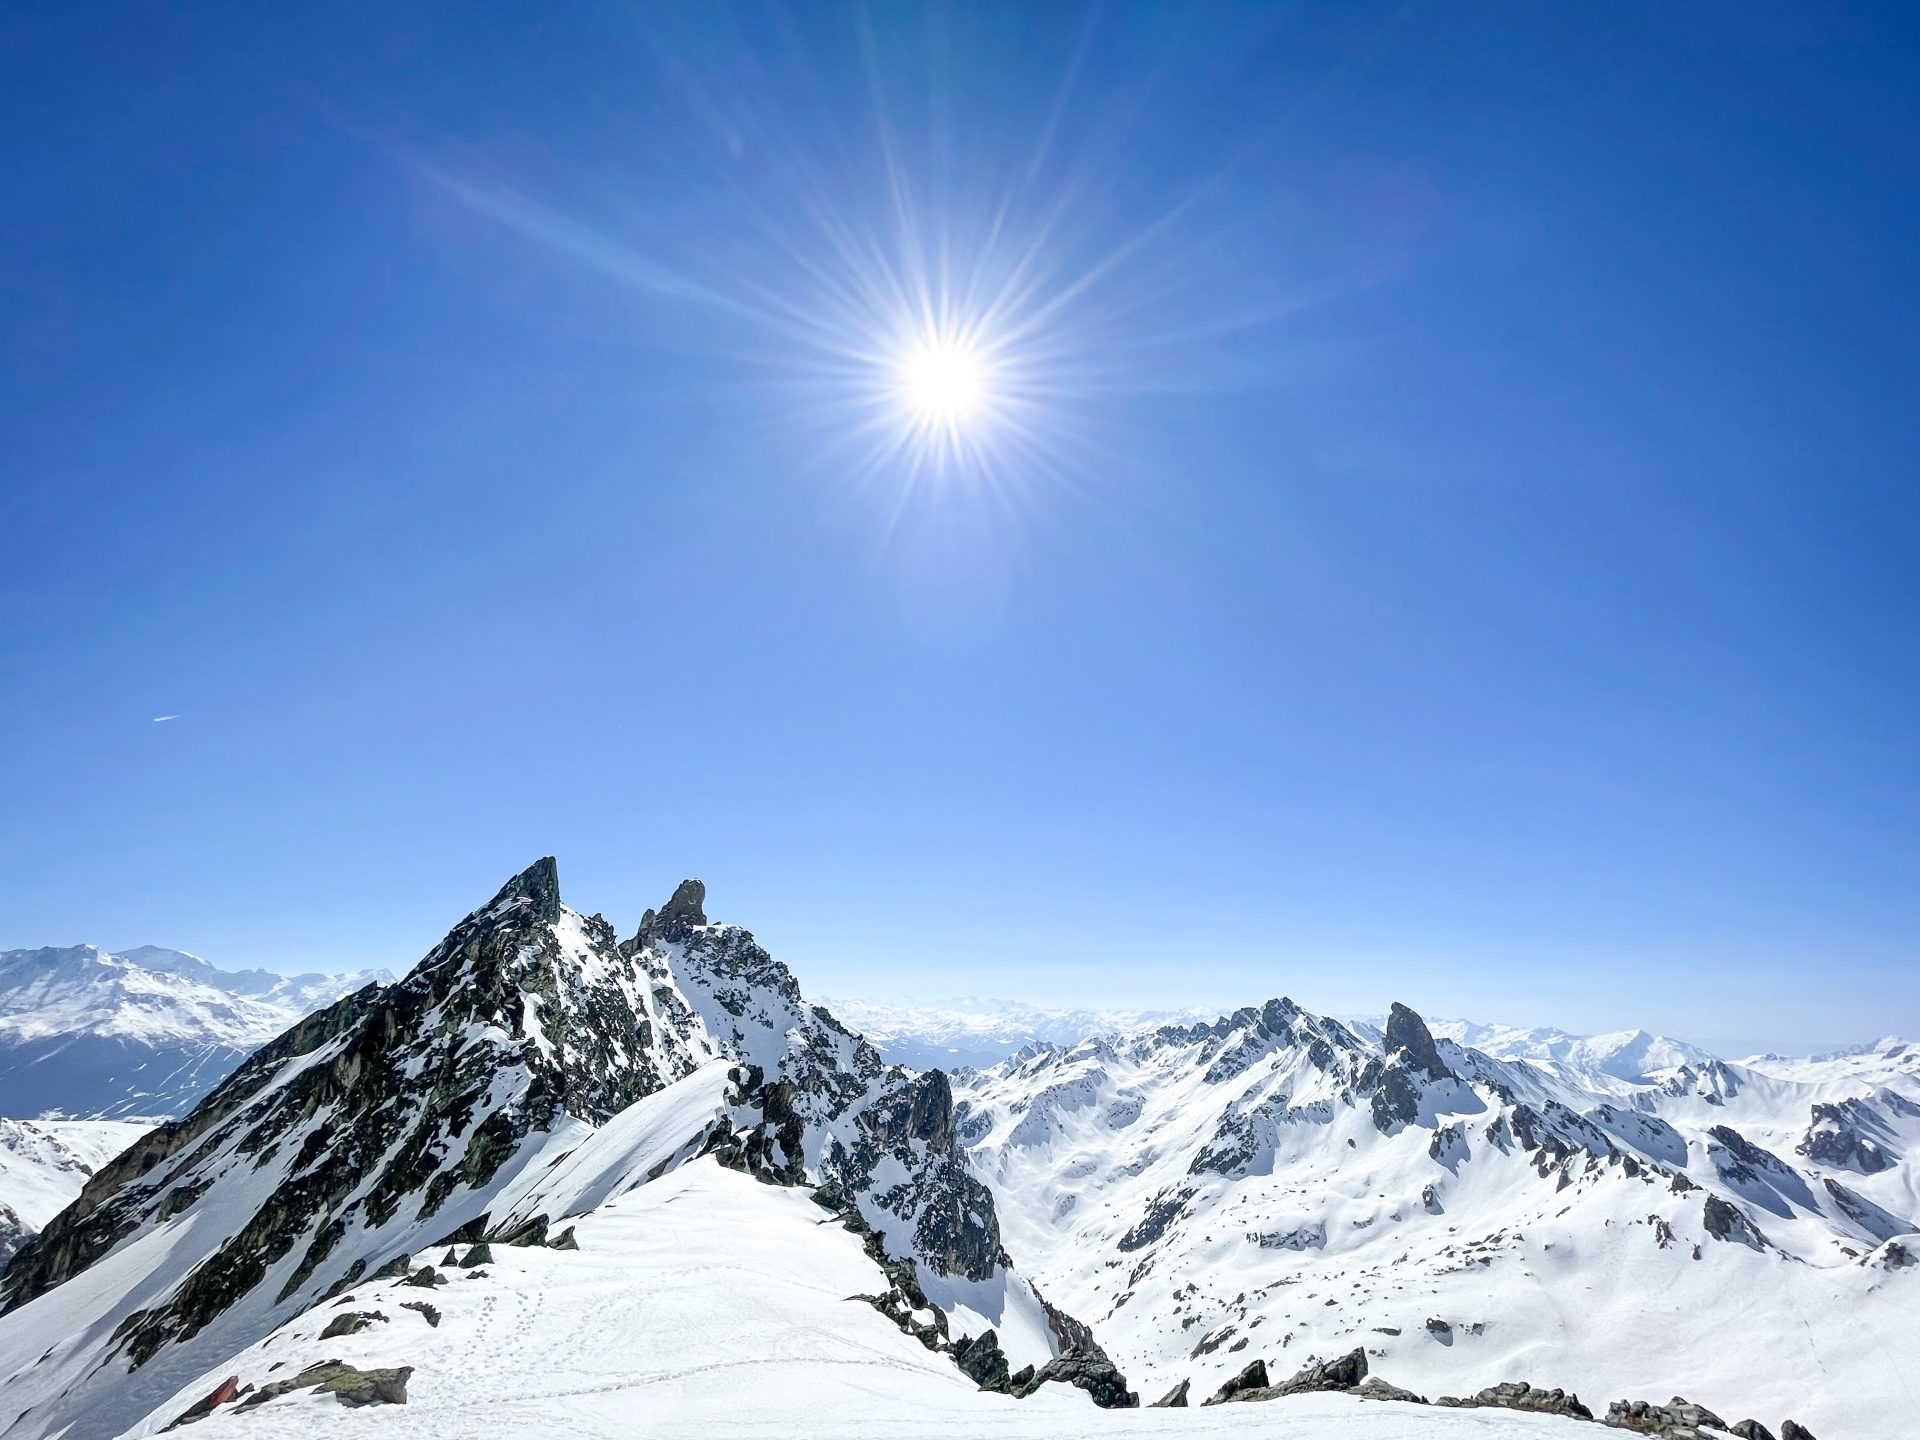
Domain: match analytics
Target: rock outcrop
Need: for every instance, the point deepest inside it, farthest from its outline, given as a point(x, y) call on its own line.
point(1174, 1399)
point(1343, 1373)
point(1678, 1419)
point(1519, 1395)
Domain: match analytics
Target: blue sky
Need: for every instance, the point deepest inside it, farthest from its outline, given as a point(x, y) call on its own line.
point(1458, 541)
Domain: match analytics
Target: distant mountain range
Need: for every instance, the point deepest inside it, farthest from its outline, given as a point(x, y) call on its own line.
point(553, 1179)
point(141, 1033)
point(972, 1032)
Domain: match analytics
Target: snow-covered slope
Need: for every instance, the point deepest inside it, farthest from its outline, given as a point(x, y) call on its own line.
point(1281, 1185)
point(528, 1067)
point(1888, 1062)
point(142, 1033)
point(44, 1163)
point(705, 1304)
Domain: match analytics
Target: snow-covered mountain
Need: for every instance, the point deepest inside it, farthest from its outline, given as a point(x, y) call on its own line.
point(44, 1163)
point(950, 1034)
point(1624, 1054)
point(145, 1032)
point(973, 1032)
point(531, 1069)
point(554, 1182)
point(1282, 1184)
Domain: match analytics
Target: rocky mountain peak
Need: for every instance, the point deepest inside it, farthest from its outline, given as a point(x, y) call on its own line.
point(678, 918)
point(1407, 1034)
point(537, 885)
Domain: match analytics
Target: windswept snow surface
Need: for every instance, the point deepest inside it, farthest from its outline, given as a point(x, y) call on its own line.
point(708, 1304)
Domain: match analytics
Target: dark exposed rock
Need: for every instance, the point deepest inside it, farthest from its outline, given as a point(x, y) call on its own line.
point(1407, 1035)
point(1881, 1225)
point(1751, 1430)
point(1794, 1430)
point(1841, 1135)
point(1678, 1419)
point(352, 1323)
point(227, 1390)
point(481, 1254)
point(981, 1360)
point(1342, 1373)
point(1253, 1377)
point(368, 1387)
point(426, 1276)
point(679, 917)
point(1174, 1399)
point(1375, 1388)
point(531, 1231)
point(1519, 1395)
point(564, 1241)
point(1726, 1222)
point(431, 1313)
point(1094, 1374)
point(350, 1386)
point(1162, 1211)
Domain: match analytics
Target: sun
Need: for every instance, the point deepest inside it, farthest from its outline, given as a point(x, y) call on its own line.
point(944, 381)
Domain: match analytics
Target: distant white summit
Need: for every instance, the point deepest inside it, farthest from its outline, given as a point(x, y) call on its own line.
point(952, 1034)
point(146, 1032)
point(974, 1032)
point(1624, 1054)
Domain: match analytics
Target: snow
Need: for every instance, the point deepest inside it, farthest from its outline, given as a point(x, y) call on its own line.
point(706, 1303)
point(151, 994)
point(974, 1032)
point(43, 1163)
point(1320, 1236)
point(137, 1035)
point(648, 1136)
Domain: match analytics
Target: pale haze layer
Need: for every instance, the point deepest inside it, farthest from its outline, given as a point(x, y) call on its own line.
point(1412, 505)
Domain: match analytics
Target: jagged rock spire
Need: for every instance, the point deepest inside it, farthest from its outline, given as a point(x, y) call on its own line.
point(538, 884)
point(679, 917)
point(1408, 1035)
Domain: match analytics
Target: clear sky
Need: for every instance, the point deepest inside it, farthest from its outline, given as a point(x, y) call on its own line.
point(1441, 524)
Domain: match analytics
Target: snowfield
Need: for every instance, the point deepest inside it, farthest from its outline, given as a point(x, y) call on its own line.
point(708, 1304)
point(1203, 1198)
